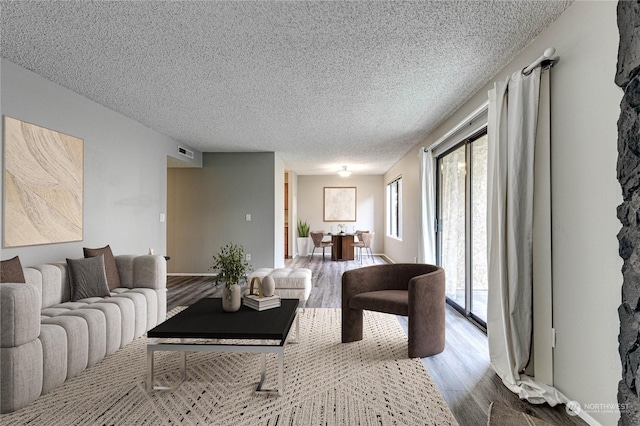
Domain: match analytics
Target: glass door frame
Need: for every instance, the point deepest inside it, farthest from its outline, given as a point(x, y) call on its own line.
point(468, 276)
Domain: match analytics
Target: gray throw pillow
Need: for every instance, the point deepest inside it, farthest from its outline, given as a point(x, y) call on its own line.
point(87, 278)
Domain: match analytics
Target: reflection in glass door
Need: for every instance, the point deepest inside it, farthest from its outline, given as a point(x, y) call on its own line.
point(479, 281)
point(452, 222)
point(462, 235)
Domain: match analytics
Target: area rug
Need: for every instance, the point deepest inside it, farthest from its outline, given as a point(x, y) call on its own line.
point(501, 415)
point(371, 382)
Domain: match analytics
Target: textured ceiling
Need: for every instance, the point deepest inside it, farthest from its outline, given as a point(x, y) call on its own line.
point(321, 83)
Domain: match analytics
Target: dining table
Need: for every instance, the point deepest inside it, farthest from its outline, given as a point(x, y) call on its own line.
point(342, 248)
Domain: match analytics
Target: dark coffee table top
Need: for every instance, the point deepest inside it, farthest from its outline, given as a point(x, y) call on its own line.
point(206, 320)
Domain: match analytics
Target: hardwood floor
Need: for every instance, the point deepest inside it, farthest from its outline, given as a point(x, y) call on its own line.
point(462, 373)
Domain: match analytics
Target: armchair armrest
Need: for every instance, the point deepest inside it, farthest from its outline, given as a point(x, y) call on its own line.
point(427, 314)
point(428, 292)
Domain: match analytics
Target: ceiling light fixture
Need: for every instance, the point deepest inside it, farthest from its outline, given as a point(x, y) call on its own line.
point(344, 172)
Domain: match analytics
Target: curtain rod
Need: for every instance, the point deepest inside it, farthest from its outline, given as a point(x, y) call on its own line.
point(546, 56)
point(467, 120)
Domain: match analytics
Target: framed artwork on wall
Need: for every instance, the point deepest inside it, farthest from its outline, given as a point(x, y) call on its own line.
point(340, 204)
point(43, 185)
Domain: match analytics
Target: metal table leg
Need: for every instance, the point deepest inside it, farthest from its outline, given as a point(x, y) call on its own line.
point(150, 367)
point(263, 373)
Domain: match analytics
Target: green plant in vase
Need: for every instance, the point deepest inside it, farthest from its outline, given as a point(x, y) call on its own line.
point(303, 238)
point(303, 229)
point(231, 267)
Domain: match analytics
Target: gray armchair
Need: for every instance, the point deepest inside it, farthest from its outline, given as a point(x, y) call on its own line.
point(408, 289)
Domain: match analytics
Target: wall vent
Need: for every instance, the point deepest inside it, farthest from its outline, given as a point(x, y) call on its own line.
point(186, 152)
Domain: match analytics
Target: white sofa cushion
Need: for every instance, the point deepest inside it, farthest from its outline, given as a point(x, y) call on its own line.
point(290, 282)
point(54, 354)
point(19, 329)
point(140, 308)
point(127, 318)
point(113, 324)
point(20, 375)
point(55, 287)
point(292, 278)
point(77, 332)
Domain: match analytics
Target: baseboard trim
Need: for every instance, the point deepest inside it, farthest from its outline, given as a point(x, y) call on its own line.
point(191, 274)
point(588, 419)
point(385, 257)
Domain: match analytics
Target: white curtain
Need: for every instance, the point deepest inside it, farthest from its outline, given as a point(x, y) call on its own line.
point(426, 234)
point(513, 114)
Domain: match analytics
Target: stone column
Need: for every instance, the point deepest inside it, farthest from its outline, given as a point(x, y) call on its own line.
point(628, 78)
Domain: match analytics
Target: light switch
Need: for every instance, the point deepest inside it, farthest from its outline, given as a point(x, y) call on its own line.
point(161, 217)
point(247, 217)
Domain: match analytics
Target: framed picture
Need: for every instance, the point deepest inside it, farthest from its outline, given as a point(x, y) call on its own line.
point(340, 204)
point(43, 185)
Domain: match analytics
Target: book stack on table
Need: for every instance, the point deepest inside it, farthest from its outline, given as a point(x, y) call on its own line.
point(261, 303)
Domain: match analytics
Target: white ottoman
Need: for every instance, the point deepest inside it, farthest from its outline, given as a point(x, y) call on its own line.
point(290, 283)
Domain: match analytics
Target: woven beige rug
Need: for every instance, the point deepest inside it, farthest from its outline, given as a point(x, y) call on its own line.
point(371, 382)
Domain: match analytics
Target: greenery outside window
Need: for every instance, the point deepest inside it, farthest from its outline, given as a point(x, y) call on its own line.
point(461, 225)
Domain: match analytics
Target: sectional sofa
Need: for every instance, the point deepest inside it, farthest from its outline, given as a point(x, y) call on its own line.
point(47, 338)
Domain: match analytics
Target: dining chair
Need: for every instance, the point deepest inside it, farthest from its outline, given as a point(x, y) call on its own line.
point(316, 237)
point(359, 234)
point(365, 240)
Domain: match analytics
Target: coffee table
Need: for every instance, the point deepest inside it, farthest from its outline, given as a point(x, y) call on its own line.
point(205, 327)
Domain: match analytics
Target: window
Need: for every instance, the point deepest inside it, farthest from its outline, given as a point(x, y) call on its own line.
point(461, 219)
point(394, 201)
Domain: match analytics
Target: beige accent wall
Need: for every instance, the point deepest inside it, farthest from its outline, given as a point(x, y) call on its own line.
point(370, 204)
point(585, 194)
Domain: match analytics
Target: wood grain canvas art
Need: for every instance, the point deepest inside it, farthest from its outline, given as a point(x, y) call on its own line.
point(43, 185)
point(340, 204)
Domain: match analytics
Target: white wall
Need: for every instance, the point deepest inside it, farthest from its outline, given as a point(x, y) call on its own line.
point(370, 194)
point(406, 249)
point(585, 194)
point(125, 167)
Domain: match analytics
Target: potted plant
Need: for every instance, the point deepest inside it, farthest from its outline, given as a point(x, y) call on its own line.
point(303, 238)
point(231, 267)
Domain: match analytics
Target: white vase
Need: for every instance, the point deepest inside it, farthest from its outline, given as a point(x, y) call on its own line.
point(231, 299)
point(268, 286)
point(303, 246)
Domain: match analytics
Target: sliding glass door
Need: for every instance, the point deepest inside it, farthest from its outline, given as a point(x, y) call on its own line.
point(452, 222)
point(462, 227)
